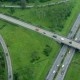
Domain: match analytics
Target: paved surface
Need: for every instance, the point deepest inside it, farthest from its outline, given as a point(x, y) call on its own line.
point(42, 31)
point(31, 6)
point(63, 51)
point(67, 60)
point(8, 60)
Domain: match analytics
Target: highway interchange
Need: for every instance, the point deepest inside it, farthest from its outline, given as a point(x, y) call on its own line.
point(60, 39)
point(63, 51)
point(67, 60)
point(54, 36)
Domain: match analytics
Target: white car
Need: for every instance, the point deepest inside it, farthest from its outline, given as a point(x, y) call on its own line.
point(69, 51)
point(75, 38)
point(62, 66)
point(54, 71)
point(57, 65)
point(62, 39)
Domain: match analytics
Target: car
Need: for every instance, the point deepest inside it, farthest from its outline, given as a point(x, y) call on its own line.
point(57, 65)
point(37, 29)
point(54, 36)
point(44, 33)
point(6, 54)
point(62, 72)
point(69, 51)
point(54, 71)
point(62, 39)
point(70, 42)
point(9, 76)
point(75, 38)
point(62, 66)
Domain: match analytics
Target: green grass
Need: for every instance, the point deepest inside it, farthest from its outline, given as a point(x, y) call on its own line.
point(21, 43)
point(3, 69)
point(49, 18)
point(9, 3)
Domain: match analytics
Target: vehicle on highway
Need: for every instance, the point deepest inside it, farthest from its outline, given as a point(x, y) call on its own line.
point(62, 72)
point(44, 33)
point(37, 29)
point(54, 71)
point(70, 42)
point(69, 51)
point(62, 39)
point(54, 36)
point(6, 54)
point(58, 65)
point(62, 66)
point(75, 38)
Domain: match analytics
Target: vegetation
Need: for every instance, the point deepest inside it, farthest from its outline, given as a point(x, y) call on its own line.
point(25, 0)
point(26, 51)
point(2, 65)
point(50, 18)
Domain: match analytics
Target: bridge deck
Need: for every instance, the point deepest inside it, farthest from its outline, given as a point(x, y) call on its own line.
point(42, 31)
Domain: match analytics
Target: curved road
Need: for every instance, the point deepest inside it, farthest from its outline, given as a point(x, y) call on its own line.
point(8, 60)
point(56, 37)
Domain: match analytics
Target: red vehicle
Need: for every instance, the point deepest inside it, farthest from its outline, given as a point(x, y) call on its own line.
point(37, 29)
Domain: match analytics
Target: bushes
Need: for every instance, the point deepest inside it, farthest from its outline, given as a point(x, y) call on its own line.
point(34, 56)
point(47, 50)
point(26, 73)
point(2, 65)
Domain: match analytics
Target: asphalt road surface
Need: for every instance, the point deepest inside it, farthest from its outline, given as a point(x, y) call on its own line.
point(7, 57)
point(63, 51)
point(42, 31)
point(67, 60)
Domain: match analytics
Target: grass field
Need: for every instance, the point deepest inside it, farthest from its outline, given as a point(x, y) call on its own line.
point(21, 44)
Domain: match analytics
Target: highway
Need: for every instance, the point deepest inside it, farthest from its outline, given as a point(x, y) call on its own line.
point(63, 51)
point(7, 57)
point(31, 6)
point(54, 36)
point(67, 60)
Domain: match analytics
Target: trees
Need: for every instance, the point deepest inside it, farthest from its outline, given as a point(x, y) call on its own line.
point(34, 56)
point(23, 3)
point(47, 50)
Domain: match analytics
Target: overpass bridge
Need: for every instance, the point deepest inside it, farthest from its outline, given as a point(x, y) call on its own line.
point(54, 36)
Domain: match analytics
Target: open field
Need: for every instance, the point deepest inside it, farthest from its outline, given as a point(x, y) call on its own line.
point(22, 44)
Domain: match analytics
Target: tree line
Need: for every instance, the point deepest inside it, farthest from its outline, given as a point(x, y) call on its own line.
point(25, 0)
